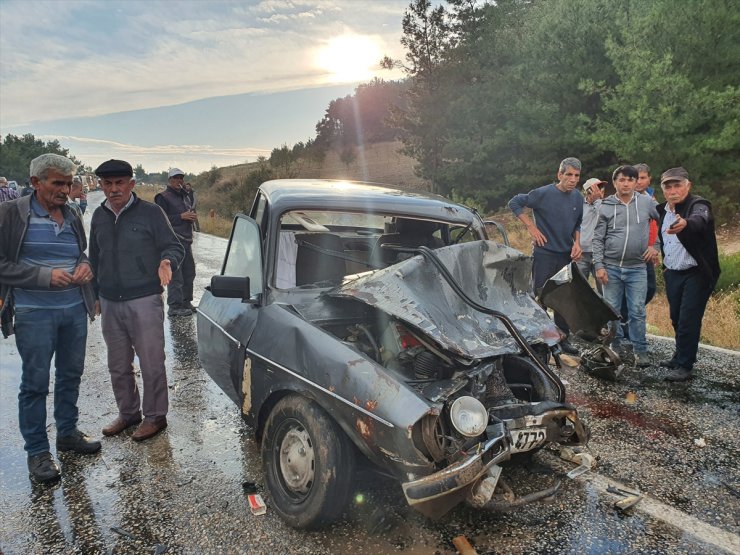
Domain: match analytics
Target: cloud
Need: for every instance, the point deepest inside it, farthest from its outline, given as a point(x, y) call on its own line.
point(191, 157)
point(86, 58)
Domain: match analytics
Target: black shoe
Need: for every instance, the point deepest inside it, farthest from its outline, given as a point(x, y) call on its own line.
point(190, 306)
point(179, 311)
point(669, 363)
point(79, 443)
point(568, 348)
point(679, 374)
point(43, 468)
point(642, 360)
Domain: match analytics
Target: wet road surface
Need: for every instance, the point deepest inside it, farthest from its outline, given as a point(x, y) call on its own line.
point(182, 491)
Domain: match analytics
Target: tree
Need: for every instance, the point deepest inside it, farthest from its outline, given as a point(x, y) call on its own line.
point(139, 173)
point(16, 154)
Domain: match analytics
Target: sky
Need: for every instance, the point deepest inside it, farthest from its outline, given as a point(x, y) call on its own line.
point(189, 84)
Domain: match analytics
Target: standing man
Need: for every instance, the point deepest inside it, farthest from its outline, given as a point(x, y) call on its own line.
point(6, 193)
point(691, 266)
point(643, 187)
point(134, 252)
point(45, 282)
point(175, 202)
point(593, 190)
point(74, 194)
point(556, 230)
point(620, 253)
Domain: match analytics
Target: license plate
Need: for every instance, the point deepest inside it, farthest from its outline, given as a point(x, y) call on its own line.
point(526, 440)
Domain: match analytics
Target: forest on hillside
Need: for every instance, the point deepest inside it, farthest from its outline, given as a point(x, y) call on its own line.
point(498, 93)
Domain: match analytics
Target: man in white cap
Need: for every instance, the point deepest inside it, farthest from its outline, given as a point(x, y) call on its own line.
point(593, 190)
point(175, 202)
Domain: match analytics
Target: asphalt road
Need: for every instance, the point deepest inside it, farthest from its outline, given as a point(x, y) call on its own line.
point(182, 491)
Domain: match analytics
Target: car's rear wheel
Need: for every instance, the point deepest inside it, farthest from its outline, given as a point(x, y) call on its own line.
point(309, 463)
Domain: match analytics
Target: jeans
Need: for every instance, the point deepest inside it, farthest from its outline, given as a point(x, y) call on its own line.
point(586, 266)
point(544, 266)
point(651, 289)
point(40, 334)
point(688, 292)
point(180, 289)
point(629, 284)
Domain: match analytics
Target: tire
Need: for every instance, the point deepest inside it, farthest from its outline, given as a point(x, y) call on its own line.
point(301, 438)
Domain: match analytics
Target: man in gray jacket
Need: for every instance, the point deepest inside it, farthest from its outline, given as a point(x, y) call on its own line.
point(621, 250)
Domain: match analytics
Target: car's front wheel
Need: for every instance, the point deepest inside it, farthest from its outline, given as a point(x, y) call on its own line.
point(308, 461)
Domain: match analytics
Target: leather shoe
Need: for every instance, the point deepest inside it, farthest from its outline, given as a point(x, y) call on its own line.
point(119, 425)
point(668, 363)
point(43, 468)
point(568, 348)
point(78, 442)
point(679, 374)
point(149, 428)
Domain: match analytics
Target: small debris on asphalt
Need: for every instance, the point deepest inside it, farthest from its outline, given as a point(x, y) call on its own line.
point(257, 504)
point(463, 546)
point(159, 549)
point(577, 471)
point(700, 442)
point(249, 487)
point(628, 502)
point(124, 533)
point(184, 482)
point(630, 398)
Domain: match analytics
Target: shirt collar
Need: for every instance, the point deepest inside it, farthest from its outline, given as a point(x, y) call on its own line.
point(129, 203)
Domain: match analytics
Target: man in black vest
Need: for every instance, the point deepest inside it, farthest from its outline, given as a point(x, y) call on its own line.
point(691, 266)
point(175, 202)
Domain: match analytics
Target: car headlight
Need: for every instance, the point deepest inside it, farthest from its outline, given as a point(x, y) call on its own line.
point(469, 416)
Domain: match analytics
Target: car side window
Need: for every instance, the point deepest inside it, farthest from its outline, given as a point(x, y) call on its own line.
point(244, 257)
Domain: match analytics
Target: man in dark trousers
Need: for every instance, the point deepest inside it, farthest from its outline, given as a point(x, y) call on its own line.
point(46, 284)
point(134, 252)
point(556, 230)
point(175, 202)
point(691, 266)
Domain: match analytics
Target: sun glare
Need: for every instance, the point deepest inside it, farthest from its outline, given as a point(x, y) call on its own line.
point(349, 58)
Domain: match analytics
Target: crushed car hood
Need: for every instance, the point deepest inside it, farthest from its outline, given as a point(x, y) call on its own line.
point(492, 275)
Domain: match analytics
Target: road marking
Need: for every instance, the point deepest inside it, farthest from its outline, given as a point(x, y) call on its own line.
point(706, 533)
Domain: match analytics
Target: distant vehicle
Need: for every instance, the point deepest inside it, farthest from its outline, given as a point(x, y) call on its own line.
point(13, 185)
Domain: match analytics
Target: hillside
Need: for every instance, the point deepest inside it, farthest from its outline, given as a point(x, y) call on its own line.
point(377, 162)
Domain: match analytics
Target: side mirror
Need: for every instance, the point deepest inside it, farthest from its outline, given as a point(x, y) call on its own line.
point(231, 287)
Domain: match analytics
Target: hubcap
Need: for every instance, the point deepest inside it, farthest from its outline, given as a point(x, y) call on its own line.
point(297, 460)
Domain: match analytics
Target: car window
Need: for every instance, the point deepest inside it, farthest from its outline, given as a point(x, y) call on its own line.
point(244, 257)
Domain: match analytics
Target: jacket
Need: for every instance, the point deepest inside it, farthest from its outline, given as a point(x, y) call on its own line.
point(622, 231)
point(14, 217)
point(698, 237)
point(174, 202)
point(126, 253)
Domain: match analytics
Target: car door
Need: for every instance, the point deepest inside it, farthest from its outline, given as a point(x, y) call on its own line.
point(226, 324)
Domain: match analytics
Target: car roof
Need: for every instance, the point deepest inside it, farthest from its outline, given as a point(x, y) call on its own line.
point(357, 196)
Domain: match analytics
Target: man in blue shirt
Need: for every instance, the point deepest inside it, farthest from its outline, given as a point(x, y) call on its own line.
point(45, 283)
point(556, 229)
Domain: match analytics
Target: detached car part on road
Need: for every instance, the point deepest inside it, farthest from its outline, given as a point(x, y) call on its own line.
point(355, 319)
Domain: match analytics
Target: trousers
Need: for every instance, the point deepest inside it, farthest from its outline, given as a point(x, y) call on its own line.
point(688, 292)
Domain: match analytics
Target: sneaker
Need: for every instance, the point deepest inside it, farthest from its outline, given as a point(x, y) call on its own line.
point(179, 311)
point(679, 374)
point(642, 360)
point(78, 442)
point(43, 468)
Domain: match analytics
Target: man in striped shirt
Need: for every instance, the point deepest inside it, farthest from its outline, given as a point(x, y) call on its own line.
point(6, 193)
point(45, 284)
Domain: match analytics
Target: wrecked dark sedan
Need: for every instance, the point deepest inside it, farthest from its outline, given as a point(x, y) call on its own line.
point(352, 320)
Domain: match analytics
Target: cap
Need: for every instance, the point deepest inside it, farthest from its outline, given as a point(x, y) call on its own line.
point(175, 171)
point(590, 183)
point(114, 168)
point(674, 174)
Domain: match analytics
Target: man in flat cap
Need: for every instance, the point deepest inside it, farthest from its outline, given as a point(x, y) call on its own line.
point(593, 191)
point(46, 297)
point(175, 202)
point(691, 266)
point(134, 252)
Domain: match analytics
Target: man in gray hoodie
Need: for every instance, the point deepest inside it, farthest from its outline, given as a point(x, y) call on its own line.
point(620, 247)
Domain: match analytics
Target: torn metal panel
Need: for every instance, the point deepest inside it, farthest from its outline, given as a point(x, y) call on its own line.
point(495, 276)
point(571, 296)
